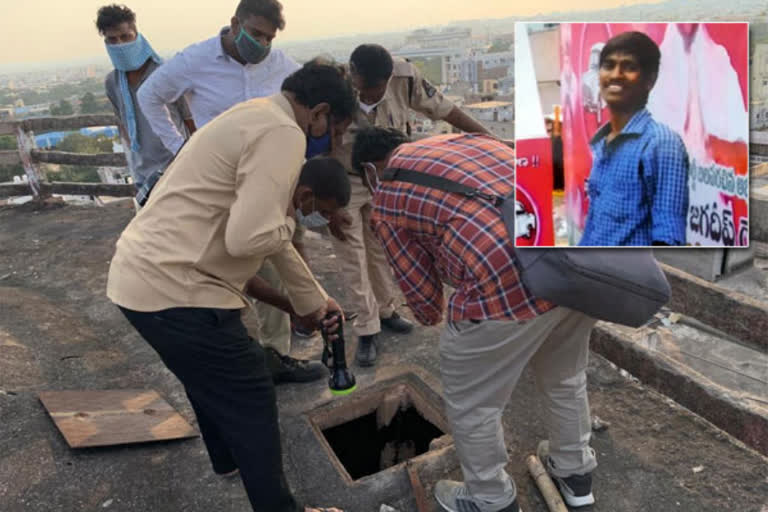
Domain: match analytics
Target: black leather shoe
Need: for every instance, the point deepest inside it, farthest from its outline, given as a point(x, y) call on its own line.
point(288, 369)
point(397, 324)
point(366, 350)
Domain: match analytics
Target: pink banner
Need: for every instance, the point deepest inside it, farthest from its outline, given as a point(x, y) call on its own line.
point(701, 93)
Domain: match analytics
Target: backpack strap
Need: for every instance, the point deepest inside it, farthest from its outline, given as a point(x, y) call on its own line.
point(437, 182)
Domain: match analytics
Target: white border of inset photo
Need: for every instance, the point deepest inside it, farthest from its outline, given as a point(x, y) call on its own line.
point(574, 136)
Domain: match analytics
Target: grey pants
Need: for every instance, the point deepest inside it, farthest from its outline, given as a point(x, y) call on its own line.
point(480, 365)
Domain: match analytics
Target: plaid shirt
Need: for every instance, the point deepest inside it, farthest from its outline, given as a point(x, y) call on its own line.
point(431, 236)
point(638, 187)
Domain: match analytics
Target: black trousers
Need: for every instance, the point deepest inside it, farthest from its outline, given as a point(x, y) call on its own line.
point(231, 391)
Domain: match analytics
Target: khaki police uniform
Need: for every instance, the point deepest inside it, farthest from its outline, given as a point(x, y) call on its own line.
point(274, 324)
point(362, 260)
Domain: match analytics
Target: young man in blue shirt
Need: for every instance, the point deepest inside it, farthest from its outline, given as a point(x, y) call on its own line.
point(638, 186)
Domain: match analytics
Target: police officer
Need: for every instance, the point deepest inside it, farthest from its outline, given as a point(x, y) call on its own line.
point(388, 91)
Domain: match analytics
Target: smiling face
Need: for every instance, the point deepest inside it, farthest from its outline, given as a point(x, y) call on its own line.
point(623, 84)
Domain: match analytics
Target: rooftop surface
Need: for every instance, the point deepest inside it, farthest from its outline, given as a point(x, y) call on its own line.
point(58, 331)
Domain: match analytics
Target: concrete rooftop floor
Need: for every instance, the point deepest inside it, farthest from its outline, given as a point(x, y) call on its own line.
point(58, 331)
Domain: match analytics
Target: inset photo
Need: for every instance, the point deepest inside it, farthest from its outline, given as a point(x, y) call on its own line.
point(632, 134)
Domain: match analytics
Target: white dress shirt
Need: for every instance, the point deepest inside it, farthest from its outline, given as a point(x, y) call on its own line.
point(211, 81)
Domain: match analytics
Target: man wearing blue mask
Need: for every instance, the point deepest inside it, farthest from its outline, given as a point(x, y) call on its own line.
point(134, 61)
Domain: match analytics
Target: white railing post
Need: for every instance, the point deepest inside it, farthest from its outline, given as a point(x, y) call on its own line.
point(26, 144)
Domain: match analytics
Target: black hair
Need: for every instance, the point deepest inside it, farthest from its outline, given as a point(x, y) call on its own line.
point(327, 179)
point(639, 46)
point(372, 62)
point(373, 144)
point(272, 10)
point(112, 15)
point(323, 81)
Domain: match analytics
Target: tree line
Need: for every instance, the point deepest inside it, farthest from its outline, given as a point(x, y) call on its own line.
point(74, 143)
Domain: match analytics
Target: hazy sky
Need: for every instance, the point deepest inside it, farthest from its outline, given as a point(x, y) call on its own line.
point(45, 30)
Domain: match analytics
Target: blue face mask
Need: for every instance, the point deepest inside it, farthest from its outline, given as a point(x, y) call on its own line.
point(313, 220)
point(318, 145)
point(131, 56)
point(250, 49)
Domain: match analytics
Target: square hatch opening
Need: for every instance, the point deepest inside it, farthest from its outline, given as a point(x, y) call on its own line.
point(380, 429)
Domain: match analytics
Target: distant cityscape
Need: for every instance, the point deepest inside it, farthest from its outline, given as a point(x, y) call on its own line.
point(475, 70)
point(471, 62)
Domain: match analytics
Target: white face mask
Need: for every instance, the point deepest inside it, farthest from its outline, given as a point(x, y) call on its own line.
point(313, 220)
point(369, 108)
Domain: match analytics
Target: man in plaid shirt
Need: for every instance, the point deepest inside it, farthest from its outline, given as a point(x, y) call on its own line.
point(638, 186)
point(494, 326)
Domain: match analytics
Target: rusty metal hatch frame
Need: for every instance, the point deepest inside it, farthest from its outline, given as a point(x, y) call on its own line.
point(428, 404)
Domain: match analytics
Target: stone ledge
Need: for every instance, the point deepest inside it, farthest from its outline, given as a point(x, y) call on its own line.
point(734, 313)
point(724, 408)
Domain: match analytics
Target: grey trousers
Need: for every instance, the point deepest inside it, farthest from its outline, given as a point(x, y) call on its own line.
point(481, 364)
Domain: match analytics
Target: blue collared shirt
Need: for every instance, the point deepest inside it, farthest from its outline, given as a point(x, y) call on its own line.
point(638, 187)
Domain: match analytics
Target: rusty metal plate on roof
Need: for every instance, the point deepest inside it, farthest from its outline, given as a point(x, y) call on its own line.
point(105, 418)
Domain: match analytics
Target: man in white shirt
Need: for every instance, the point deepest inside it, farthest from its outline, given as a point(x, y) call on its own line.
point(236, 65)
point(214, 75)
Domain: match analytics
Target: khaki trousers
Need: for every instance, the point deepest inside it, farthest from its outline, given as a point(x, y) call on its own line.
point(481, 364)
point(274, 325)
point(364, 266)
